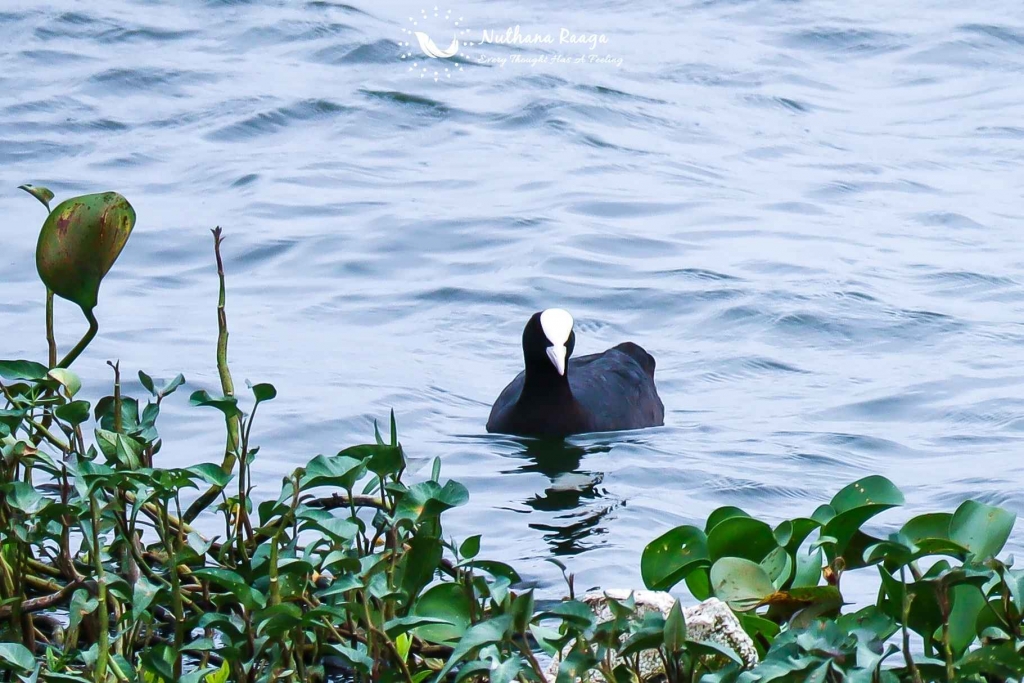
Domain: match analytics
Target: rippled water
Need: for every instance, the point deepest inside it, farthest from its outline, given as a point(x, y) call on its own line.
point(809, 212)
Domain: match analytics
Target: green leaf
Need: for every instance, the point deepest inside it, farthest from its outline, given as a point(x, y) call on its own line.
point(743, 537)
point(147, 382)
point(263, 392)
point(143, 596)
point(572, 611)
point(522, 611)
point(573, 667)
point(449, 603)
point(24, 497)
point(854, 505)
point(470, 548)
point(74, 413)
point(982, 529)
point(79, 242)
point(426, 500)
point(721, 514)
point(675, 629)
point(396, 627)
point(357, 659)
point(16, 656)
point(225, 404)
point(172, 384)
point(340, 470)
point(66, 378)
point(210, 473)
point(22, 369)
point(506, 671)
point(741, 583)
point(484, 633)
point(668, 559)
point(221, 675)
point(43, 194)
point(246, 594)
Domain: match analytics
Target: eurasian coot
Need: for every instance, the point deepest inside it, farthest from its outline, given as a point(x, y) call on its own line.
point(559, 396)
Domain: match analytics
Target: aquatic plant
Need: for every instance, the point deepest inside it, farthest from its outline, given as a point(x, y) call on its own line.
point(106, 574)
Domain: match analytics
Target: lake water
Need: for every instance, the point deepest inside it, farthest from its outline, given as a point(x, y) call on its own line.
point(809, 212)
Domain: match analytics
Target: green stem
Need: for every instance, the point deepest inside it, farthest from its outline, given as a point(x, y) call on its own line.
point(74, 353)
point(101, 595)
point(227, 387)
point(51, 341)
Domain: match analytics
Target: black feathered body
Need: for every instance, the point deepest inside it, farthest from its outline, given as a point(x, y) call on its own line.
point(608, 391)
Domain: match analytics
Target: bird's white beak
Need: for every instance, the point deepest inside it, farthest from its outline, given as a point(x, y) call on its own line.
point(556, 352)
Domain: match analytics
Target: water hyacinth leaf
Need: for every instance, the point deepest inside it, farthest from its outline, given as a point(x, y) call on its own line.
point(263, 392)
point(79, 243)
point(720, 515)
point(147, 382)
point(854, 505)
point(507, 671)
point(743, 537)
point(704, 648)
point(16, 656)
point(43, 194)
point(427, 500)
point(225, 404)
point(246, 594)
point(741, 583)
point(668, 559)
point(401, 625)
point(74, 413)
point(22, 369)
point(449, 604)
point(522, 611)
point(675, 629)
point(999, 661)
point(386, 460)
point(791, 533)
point(24, 497)
point(982, 529)
point(483, 633)
point(357, 659)
point(221, 675)
point(67, 379)
point(573, 667)
point(470, 548)
point(968, 602)
point(211, 474)
point(573, 611)
point(340, 470)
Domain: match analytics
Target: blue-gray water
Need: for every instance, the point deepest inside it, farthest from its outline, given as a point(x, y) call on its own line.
point(809, 212)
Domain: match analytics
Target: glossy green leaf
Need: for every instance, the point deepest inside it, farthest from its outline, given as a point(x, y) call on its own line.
point(67, 379)
point(263, 392)
point(668, 559)
point(340, 471)
point(854, 505)
point(22, 369)
point(22, 496)
point(449, 603)
point(74, 413)
point(982, 529)
point(470, 548)
point(428, 499)
point(675, 629)
point(743, 537)
point(484, 633)
point(16, 656)
point(741, 583)
point(721, 514)
point(43, 194)
point(79, 243)
point(225, 404)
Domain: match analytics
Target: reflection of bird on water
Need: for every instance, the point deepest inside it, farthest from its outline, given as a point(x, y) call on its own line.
point(570, 487)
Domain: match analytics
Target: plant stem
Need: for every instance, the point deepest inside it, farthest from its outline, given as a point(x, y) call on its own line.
point(915, 674)
point(227, 387)
point(74, 353)
point(101, 595)
point(51, 341)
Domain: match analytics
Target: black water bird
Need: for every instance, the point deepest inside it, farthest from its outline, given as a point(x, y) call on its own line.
point(556, 395)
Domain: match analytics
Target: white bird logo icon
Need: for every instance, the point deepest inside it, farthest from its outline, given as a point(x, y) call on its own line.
point(432, 50)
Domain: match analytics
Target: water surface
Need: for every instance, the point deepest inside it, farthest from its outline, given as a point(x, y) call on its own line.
point(809, 212)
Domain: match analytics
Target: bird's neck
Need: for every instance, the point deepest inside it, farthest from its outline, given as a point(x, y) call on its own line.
point(542, 386)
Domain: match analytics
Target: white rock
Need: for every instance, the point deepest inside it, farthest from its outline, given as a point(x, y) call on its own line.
point(711, 620)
